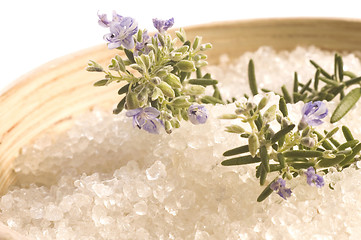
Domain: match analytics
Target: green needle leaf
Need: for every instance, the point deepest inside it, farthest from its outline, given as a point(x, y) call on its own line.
point(327, 162)
point(352, 81)
point(282, 133)
point(263, 175)
point(347, 133)
point(322, 71)
point(348, 159)
point(265, 193)
point(237, 150)
point(240, 160)
point(302, 153)
point(348, 144)
point(283, 107)
point(346, 104)
point(264, 158)
point(203, 81)
point(286, 94)
point(252, 78)
point(317, 78)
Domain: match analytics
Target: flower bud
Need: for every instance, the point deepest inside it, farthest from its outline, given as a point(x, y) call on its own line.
point(206, 46)
point(173, 80)
point(168, 127)
point(288, 175)
point(262, 103)
point(157, 93)
point(306, 131)
point(166, 89)
point(235, 129)
point(308, 142)
point(197, 41)
point(132, 100)
point(156, 80)
point(195, 90)
point(228, 116)
point(240, 111)
point(94, 67)
point(270, 114)
point(143, 94)
point(186, 66)
point(180, 102)
point(253, 144)
point(176, 56)
point(114, 65)
point(250, 106)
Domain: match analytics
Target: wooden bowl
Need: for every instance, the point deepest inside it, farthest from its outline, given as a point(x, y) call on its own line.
point(53, 94)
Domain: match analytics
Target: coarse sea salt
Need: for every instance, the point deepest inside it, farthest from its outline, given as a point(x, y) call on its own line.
point(103, 179)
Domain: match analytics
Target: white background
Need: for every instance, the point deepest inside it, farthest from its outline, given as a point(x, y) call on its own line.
point(34, 32)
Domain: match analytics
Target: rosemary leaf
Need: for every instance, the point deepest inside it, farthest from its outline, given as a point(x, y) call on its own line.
point(301, 153)
point(203, 81)
point(286, 94)
point(264, 158)
point(265, 193)
point(322, 71)
point(252, 78)
point(346, 104)
point(240, 160)
point(348, 144)
point(329, 162)
point(235, 151)
point(347, 133)
point(282, 133)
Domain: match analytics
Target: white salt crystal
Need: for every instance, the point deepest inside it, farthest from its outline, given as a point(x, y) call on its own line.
point(102, 190)
point(6, 202)
point(157, 170)
point(185, 199)
point(143, 189)
point(141, 208)
point(201, 235)
point(53, 213)
point(37, 212)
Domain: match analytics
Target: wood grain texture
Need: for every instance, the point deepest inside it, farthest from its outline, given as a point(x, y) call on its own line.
point(52, 95)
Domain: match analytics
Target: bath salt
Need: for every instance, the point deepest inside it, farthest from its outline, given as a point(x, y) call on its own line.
point(104, 179)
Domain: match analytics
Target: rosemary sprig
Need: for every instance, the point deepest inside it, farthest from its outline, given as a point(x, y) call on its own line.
point(291, 151)
point(335, 84)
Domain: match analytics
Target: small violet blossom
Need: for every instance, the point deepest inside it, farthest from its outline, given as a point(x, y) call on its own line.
point(197, 114)
point(146, 119)
point(163, 25)
point(104, 22)
point(314, 179)
point(279, 186)
point(121, 29)
point(312, 113)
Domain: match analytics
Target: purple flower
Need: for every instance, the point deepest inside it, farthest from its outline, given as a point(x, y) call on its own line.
point(197, 114)
point(312, 113)
point(104, 22)
point(313, 178)
point(121, 33)
point(163, 25)
point(279, 186)
point(146, 119)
